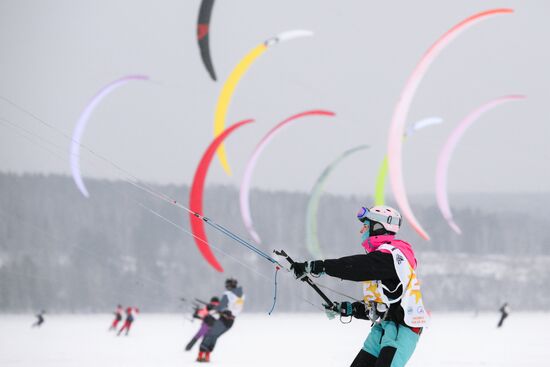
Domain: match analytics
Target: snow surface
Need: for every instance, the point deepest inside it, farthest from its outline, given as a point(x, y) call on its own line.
point(262, 340)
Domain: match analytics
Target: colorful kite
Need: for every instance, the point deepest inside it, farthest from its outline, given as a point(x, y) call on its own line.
point(448, 149)
point(399, 118)
point(228, 89)
point(312, 240)
point(82, 123)
point(203, 35)
point(244, 197)
point(196, 194)
point(380, 188)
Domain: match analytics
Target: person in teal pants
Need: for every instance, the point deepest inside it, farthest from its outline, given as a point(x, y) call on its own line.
point(392, 300)
point(389, 334)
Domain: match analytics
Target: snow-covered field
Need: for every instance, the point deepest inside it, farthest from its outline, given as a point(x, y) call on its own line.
point(262, 340)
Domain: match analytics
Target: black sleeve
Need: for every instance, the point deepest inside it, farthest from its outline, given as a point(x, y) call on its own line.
point(373, 266)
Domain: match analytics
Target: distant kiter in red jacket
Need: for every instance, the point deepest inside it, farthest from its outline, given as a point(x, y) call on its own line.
point(130, 312)
point(118, 317)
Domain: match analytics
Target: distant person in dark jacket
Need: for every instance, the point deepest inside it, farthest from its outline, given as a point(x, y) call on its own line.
point(504, 311)
point(40, 319)
point(118, 317)
point(230, 307)
point(206, 315)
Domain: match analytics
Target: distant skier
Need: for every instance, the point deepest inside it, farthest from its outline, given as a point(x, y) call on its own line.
point(230, 307)
point(130, 312)
point(206, 315)
point(118, 316)
point(40, 319)
point(504, 311)
point(392, 298)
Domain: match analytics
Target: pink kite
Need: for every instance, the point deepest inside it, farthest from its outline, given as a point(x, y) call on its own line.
point(448, 149)
point(399, 119)
point(244, 197)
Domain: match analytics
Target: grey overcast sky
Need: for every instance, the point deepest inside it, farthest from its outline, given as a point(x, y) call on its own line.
point(55, 55)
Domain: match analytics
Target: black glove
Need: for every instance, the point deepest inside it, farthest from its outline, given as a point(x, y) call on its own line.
point(301, 270)
point(355, 309)
point(343, 309)
point(359, 310)
point(346, 308)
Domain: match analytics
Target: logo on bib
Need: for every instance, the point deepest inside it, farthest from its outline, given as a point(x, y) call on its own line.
point(399, 259)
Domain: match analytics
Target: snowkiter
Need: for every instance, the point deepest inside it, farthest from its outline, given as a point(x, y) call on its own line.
point(206, 315)
point(130, 311)
point(504, 311)
point(231, 305)
point(391, 291)
point(118, 317)
point(39, 319)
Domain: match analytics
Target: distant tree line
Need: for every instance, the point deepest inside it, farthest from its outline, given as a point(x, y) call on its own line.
point(64, 253)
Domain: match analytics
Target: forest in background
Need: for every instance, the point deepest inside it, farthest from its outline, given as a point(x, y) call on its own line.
point(64, 253)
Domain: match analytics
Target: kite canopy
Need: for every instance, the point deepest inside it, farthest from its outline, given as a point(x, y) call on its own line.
point(419, 125)
point(244, 197)
point(233, 80)
point(397, 127)
point(380, 187)
point(196, 196)
point(83, 122)
point(448, 149)
point(312, 240)
point(203, 35)
point(287, 36)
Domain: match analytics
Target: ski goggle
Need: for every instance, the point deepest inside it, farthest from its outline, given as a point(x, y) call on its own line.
point(362, 214)
point(365, 214)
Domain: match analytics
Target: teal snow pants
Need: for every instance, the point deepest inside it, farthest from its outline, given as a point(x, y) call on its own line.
point(390, 334)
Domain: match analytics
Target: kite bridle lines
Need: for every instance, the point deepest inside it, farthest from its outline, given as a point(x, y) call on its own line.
point(134, 181)
point(236, 238)
point(278, 265)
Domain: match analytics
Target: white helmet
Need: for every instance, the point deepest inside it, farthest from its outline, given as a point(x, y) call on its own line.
point(388, 217)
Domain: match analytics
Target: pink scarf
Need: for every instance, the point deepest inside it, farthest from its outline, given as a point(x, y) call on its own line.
point(373, 243)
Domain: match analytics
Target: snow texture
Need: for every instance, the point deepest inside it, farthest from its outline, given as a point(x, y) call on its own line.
point(262, 340)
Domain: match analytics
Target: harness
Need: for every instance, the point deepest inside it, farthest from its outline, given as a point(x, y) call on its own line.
point(376, 300)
